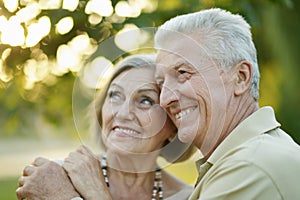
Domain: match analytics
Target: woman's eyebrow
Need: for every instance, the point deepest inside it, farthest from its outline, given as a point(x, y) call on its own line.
point(115, 85)
point(149, 87)
point(147, 90)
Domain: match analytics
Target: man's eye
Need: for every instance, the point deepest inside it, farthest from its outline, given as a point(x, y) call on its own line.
point(182, 71)
point(183, 75)
point(160, 83)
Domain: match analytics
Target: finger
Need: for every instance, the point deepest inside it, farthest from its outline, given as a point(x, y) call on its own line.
point(21, 181)
point(22, 194)
point(72, 157)
point(70, 166)
point(40, 161)
point(86, 151)
point(83, 149)
point(19, 193)
point(28, 170)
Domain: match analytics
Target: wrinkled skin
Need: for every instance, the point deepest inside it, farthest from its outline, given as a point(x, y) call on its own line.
point(45, 179)
point(84, 169)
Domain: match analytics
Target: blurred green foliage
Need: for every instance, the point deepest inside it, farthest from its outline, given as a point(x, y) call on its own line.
point(8, 187)
point(275, 27)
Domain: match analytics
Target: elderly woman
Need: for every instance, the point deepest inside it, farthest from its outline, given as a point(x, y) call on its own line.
point(135, 130)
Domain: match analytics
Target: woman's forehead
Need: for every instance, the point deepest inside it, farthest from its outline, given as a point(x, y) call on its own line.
point(137, 75)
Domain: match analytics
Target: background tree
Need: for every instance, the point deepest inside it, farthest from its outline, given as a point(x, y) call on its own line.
point(44, 44)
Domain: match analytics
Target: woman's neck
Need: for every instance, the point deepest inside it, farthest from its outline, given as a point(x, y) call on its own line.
point(133, 183)
point(132, 163)
point(130, 186)
point(128, 179)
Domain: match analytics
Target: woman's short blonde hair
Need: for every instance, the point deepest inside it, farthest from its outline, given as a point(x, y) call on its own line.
point(174, 151)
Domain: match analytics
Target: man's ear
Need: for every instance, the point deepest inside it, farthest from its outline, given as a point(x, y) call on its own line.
point(244, 74)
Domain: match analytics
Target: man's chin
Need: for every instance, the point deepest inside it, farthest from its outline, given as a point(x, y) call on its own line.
point(186, 136)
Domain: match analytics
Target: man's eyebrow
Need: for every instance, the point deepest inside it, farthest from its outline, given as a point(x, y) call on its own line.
point(174, 66)
point(179, 64)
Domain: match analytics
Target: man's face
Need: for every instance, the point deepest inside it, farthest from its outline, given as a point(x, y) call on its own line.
point(193, 92)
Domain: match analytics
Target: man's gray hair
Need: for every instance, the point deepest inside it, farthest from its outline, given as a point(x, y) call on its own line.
point(225, 37)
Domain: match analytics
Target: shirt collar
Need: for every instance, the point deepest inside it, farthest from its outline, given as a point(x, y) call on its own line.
point(261, 121)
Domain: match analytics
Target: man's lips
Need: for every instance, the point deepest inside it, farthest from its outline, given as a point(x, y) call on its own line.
point(184, 112)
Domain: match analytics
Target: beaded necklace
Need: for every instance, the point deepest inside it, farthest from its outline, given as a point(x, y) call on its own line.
point(157, 186)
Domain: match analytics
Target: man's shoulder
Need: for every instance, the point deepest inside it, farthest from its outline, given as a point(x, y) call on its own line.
point(273, 153)
point(274, 147)
point(272, 157)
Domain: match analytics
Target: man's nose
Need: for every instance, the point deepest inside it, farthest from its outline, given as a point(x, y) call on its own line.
point(168, 94)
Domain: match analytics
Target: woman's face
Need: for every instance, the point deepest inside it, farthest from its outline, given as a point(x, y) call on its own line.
point(132, 120)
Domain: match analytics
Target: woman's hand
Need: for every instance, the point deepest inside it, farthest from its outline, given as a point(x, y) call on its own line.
point(45, 179)
point(84, 169)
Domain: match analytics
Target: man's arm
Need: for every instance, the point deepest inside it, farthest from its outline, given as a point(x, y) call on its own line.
point(45, 179)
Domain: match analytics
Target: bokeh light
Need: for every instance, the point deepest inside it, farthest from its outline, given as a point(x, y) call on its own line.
point(29, 13)
point(83, 45)
point(11, 5)
point(68, 58)
point(13, 33)
point(124, 9)
point(4, 76)
point(97, 72)
point(34, 56)
point(70, 5)
point(131, 37)
point(100, 7)
point(35, 71)
point(37, 31)
point(64, 25)
point(133, 8)
point(94, 18)
point(50, 4)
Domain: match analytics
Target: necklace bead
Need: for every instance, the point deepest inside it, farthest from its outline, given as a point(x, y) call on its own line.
point(157, 185)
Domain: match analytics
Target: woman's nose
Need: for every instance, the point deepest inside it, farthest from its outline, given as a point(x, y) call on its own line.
point(125, 111)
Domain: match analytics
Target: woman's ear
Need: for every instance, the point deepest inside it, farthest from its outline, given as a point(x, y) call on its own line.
point(244, 74)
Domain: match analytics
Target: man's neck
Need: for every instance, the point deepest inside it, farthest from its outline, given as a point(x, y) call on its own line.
point(235, 115)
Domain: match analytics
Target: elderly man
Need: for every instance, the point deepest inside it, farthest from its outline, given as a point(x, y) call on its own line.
point(208, 73)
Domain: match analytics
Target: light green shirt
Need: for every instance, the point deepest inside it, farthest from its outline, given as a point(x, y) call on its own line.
point(256, 161)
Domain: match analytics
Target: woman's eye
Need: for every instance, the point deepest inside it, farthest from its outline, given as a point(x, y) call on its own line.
point(146, 101)
point(113, 95)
